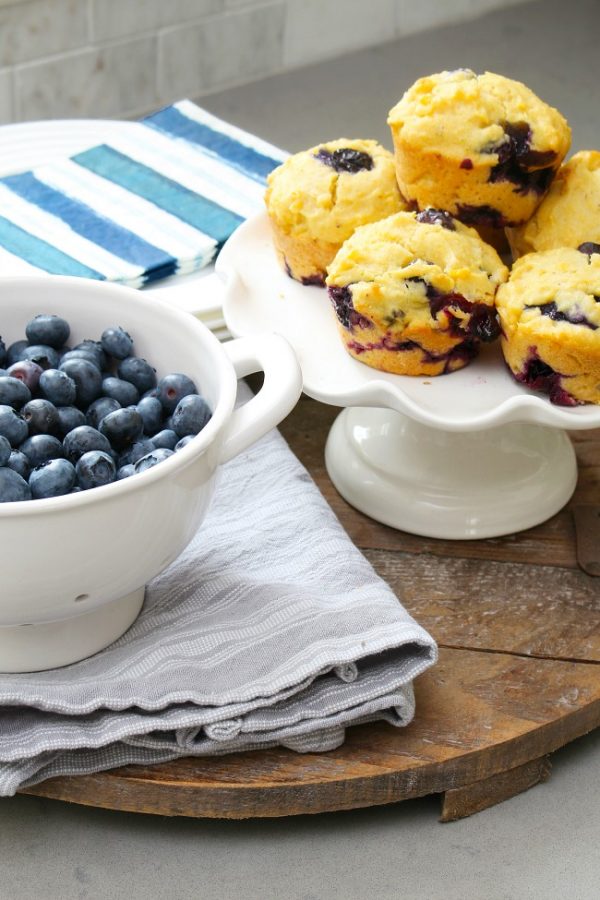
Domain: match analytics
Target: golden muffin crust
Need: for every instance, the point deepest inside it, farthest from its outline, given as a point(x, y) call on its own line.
point(569, 215)
point(414, 293)
point(550, 315)
point(317, 198)
point(484, 147)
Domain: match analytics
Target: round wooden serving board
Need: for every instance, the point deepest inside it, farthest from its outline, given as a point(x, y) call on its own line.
point(518, 624)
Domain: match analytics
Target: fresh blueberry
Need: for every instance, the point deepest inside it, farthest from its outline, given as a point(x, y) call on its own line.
point(5, 450)
point(191, 415)
point(57, 387)
point(184, 441)
point(19, 462)
point(88, 355)
point(26, 371)
point(138, 372)
point(116, 342)
point(13, 486)
point(122, 427)
point(41, 417)
point(41, 447)
point(125, 472)
point(46, 357)
point(13, 392)
point(3, 353)
point(100, 408)
point(152, 459)
point(87, 378)
point(172, 388)
point(50, 330)
point(69, 417)
point(151, 411)
point(82, 440)
point(95, 469)
point(138, 449)
point(153, 392)
point(12, 426)
point(167, 438)
point(123, 391)
point(13, 353)
point(95, 348)
point(52, 479)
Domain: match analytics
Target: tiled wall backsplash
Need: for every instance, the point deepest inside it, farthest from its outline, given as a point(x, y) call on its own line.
point(123, 58)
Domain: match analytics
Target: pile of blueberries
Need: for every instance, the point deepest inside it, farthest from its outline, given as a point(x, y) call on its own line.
point(78, 418)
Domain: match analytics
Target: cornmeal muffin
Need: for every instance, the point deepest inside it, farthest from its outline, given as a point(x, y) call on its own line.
point(317, 199)
point(483, 147)
point(550, 316)
point(569, 215)
point(414, 293)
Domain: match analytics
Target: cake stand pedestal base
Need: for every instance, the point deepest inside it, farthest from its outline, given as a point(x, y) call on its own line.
point(452, 485)
point(32, 648)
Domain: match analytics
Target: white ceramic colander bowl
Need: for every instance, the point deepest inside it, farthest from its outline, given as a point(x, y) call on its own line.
point(73, 568)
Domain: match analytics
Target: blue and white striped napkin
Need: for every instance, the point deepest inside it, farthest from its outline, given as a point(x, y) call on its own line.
point(158, 199)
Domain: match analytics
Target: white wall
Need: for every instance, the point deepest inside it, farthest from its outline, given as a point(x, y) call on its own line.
point(119, 58)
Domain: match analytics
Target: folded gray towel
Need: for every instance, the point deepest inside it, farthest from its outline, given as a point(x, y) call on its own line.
point(270, 629)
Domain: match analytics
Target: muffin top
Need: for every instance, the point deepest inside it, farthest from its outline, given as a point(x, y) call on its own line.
point(474, 117)
point(406, 269)
point(553, 292)
point(326, 192)
point(569, 215)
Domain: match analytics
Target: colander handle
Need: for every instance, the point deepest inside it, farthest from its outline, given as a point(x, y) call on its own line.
point(271, 354)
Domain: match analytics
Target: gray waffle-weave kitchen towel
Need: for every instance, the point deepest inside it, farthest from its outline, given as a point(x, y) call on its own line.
point(270, 628)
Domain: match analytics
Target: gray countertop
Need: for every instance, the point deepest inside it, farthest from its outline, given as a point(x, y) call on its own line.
point(541, 844)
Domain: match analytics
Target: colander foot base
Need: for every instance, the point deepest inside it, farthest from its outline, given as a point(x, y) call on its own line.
point(33, 648)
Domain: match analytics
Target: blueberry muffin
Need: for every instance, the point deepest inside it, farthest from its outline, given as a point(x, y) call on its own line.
point(483, 147)
point(569, 215)
point(317, 199)
point(414, 293)
point(550, 315)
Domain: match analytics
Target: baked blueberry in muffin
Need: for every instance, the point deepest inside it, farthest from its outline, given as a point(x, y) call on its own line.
point(414, 293)
point(483, 147)
point(569, 215)
point(550, 315)
point(317, 198)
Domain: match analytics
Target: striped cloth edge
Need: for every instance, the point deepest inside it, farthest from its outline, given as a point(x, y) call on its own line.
point(158, 200)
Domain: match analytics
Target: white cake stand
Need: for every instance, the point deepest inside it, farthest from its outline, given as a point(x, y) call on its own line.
point(471, 454)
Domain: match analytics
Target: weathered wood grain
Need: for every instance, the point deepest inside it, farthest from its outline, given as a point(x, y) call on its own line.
point(518, 676)
point(479, 714)
point(464, 801)
point(488, 605)
point(551, 543)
